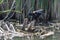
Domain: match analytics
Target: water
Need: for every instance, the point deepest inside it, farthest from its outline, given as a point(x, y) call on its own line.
point(56, 36)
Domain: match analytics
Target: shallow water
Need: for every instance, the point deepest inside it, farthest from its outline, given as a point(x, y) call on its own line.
point(56, 36)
